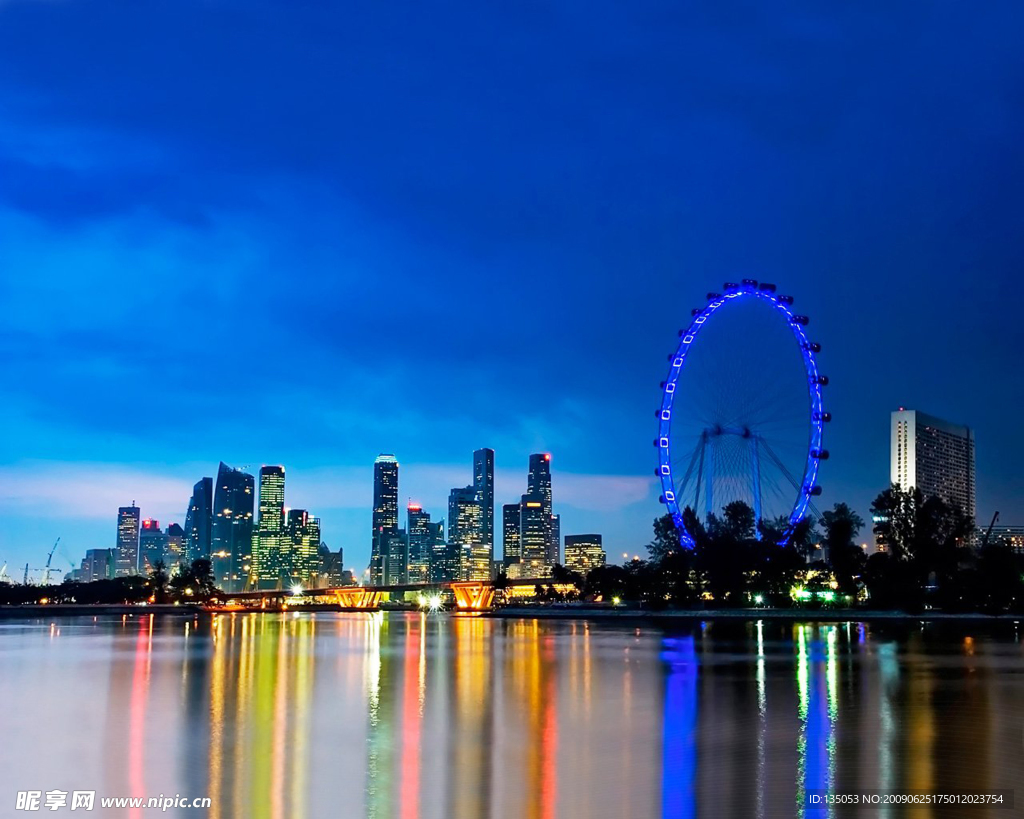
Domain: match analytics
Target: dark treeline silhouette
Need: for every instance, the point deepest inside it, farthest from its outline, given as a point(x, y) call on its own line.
point(931, 560)
point(187, 584)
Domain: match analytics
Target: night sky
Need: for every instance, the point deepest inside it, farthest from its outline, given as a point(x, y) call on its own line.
point(309, 232)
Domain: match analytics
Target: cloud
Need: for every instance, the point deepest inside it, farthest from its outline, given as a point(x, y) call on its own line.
point(93, 491)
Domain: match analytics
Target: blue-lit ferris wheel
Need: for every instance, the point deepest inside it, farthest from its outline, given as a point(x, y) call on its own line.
point(741, 415)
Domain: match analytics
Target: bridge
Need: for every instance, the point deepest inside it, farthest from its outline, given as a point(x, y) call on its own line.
point(470, 595)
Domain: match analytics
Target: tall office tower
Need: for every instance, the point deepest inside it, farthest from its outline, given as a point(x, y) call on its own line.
point(127, 540)
point(440, 570)
point(934, 456)
point(199, 522)
point(583, 553)
point(510, 547)
point(420, 543)
point(534, 536)
point(385, 512)
point(464, 534)
point(302, 533)
point(555, 540)
point(271, 553)
point(174, 551)
point(483, 483)
point(98, 564)
point(152, 546)
point(538, 482)
point(396, 557)
point(231, 533)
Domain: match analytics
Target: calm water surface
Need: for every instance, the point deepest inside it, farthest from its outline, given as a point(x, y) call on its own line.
point(289, 716)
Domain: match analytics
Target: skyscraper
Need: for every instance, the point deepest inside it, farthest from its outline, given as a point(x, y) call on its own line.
point(420, 543)
point(538, 483)
point(534, 536)
point(152, 546)
point(174, 552)
point(510, 548)
point(231, 536)
point(555, 540)
point(271, 553)
point(385, 512)
point(464, 534)
point(98, 564)
point(199, 521)
point(583, 553)
point(934, 456)
point(302, 533)
point(127, 559)
point(440, 563)
point(396, 557)
point(483, 484)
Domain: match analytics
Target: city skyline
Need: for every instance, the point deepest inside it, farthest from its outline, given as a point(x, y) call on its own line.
point(157, 221)
point(544, 547)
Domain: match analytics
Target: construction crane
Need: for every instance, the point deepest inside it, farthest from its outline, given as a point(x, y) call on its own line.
point(988, 533)
point(49, 559)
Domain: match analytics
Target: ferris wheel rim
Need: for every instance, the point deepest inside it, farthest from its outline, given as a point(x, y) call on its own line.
point(816, 417)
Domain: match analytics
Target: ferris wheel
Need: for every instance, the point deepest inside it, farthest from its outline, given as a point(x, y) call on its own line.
point(741, 416)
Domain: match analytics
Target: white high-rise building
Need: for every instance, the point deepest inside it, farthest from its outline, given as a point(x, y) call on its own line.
point(934, 456)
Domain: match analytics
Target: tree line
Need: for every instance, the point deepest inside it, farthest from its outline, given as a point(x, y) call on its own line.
point(186, 584)
point(930, 558)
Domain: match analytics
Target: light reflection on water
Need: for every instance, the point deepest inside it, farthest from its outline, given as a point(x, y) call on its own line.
point(389, 715)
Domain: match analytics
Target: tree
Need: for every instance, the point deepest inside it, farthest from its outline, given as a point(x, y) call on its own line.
point(666, 538)
point(895, 515)
point(195, 582)
point(925, 533)
point(158, 581)
point(842, 526)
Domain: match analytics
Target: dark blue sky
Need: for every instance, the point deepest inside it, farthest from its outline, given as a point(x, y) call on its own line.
point(308, 232)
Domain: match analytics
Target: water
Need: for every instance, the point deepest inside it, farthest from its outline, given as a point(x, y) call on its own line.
point(289, 716)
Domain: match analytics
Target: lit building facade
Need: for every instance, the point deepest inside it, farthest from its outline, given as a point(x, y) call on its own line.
point(538, 484)
point(199, 522)
point(420, 534)
point(332, 568)
point(396, 558)
point(934, 456)
point(510, 548)
point(231, 533)
point(271, 552)
point(441, 566)
point(385, 513)
point(127, 549)
point(465, 549)
point(584, 552)
point(98, 564)
point(174, 552)
point(302, 533)
point(483, 483)
point(534, 536)
point(1012, 536)
point(152, 546)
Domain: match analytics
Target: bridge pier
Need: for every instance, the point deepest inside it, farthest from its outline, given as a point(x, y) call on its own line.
point(358, 597)
point(473, 595)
